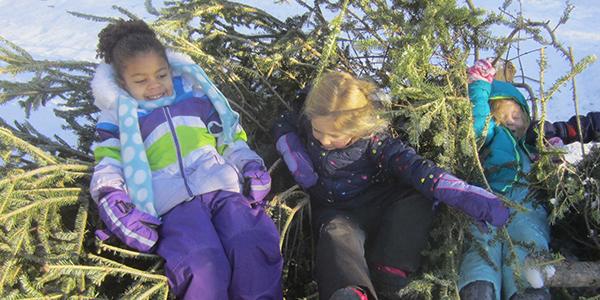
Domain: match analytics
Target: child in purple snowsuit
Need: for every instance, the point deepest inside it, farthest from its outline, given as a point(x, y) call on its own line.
point(372, 196)
point(171, 159)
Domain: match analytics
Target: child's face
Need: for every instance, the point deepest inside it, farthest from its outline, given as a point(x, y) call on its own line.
point(147, 76)
point(330, 139)
point(511, 115)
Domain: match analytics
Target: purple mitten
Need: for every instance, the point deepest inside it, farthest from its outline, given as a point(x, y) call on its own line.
point(297, 160)
point(476, 202)
point(259, 179)
point(132, 226)
point(482, 70)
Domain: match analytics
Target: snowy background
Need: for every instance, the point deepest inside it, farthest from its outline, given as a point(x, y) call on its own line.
point(47, 31)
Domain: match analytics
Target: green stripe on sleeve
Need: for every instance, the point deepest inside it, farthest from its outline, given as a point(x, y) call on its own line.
point(102, 152)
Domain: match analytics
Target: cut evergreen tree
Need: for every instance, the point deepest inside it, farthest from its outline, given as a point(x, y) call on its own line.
point(416, 51)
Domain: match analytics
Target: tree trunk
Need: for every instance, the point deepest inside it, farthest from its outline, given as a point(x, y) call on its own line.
point(576, 274)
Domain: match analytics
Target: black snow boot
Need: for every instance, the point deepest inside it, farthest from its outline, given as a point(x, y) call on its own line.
point(478, 290)
point(532, 294)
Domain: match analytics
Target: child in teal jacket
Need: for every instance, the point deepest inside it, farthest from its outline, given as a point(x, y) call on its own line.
point(501, 119)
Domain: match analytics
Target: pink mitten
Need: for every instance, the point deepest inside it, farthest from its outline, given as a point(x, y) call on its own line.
point(482, 70)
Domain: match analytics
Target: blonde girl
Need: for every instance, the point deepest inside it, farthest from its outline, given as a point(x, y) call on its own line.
point(372, 196)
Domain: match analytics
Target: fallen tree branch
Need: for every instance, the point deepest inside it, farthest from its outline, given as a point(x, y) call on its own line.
point(575, 274)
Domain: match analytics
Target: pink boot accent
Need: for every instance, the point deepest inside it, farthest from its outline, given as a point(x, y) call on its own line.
point(392, 270)
point(361, 295)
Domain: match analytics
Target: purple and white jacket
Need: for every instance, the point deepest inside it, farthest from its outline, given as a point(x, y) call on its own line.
point(185, 153)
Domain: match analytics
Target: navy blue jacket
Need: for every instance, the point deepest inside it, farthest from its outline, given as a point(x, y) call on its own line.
point(375, 162)
point(567, 131)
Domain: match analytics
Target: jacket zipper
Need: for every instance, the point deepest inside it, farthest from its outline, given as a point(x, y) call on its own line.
point(168, 116)
point(518, 156)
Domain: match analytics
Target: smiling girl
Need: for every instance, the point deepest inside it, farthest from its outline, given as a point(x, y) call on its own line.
point(171, 159)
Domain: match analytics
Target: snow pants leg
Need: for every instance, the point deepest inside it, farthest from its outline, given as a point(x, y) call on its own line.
point(340, 257)
point(217, 247)
point(395, 251)
point(529, 227)
point(386, 236)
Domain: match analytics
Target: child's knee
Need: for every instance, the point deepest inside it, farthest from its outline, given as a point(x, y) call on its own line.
point(201, 271)
point(259, 246)
point(338, 227)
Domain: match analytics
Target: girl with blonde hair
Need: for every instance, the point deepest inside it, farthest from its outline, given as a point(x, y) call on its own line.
point(509, 139)
point(372, 196)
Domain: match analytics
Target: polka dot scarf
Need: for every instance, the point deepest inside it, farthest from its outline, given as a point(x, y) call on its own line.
point(136, 169)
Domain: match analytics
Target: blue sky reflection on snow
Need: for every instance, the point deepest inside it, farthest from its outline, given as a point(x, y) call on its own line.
point(43, 28)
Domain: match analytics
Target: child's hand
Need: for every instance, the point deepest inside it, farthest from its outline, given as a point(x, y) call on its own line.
point(481, 70)
point(133, 227)
point(297, 160)
point(259, 179)
point(476, 202)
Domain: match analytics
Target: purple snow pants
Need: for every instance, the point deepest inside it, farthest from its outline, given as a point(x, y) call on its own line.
point(217, 247)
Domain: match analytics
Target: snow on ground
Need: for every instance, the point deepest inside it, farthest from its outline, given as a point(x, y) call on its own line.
point(47, 31)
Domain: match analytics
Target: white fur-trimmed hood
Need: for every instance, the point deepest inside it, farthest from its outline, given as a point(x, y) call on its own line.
point(106, 89)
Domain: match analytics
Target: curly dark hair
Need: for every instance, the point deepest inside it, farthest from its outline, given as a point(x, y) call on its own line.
point(124, 39)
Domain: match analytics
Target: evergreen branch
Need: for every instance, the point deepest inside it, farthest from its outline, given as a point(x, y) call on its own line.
point(410, 48)
point(151, 291)
point(43, 65)
point(125, 252)
point(331, 42)
point(69, 268)
point(126, 12)
point(46, 169)
point(8, 137)
point(29, 289)
point(8, 270)
point(577, 68)
point(138, 285)
point(20, 51)
point(576, 102)
point(93, 17)
point(476, 159)
point(542, 62)
point(111, 263)
point(38, 204)
point(80, 226)
point(193, 50)
point(20, 235)
point(32, 136)
point(6, 195)
point(253, 10)
point(42, 229)
point(150, 8)
point(47, 297)
point(48, 192)
point(277, 95)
